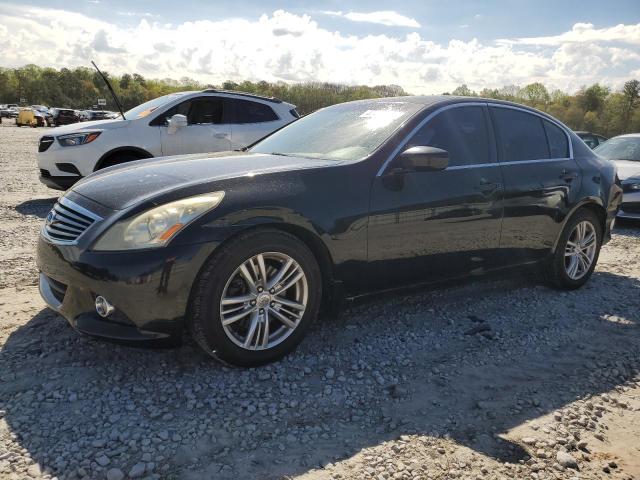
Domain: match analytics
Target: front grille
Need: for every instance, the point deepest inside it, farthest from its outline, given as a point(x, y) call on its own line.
point(67, 221)
point(45, 143)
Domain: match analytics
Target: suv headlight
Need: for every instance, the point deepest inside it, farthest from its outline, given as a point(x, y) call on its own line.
point(74, 139)
point(154, 228)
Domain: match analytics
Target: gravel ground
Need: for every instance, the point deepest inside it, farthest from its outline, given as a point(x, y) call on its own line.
point(502, 378)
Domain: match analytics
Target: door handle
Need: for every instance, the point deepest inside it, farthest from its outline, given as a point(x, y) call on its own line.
point(568, 176)
point(220, 135)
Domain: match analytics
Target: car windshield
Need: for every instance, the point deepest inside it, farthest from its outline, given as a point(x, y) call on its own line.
point(620, 149)
point(146, 108)
point(349, 131)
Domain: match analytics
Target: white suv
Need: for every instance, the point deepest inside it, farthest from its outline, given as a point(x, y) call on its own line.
point(178, 123)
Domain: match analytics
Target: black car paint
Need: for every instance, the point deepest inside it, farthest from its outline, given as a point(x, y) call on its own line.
point(370, 227)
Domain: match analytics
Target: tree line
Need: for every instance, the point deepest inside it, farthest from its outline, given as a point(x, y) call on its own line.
point(596, 108)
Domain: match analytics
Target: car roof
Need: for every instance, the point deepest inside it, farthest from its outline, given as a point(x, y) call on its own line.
point(442, 100)
point(628, 135)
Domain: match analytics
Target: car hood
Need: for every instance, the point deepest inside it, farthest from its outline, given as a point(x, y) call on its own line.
point(627, 169)
point(125, 185)
point(84, 126)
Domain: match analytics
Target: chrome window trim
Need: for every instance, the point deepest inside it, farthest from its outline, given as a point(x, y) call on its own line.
point(480, 165)
point(78, 208)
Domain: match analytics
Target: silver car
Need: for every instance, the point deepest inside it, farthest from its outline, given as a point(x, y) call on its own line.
point(625, 151)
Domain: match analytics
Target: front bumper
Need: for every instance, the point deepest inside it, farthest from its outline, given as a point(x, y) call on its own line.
point(150, 289)
point(57, 182)
point(630, 207)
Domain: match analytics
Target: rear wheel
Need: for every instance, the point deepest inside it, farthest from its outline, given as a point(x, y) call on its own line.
point(256, 298)
point(577, 251)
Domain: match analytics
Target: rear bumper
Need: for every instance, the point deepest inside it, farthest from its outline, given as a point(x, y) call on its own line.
point(149, 289)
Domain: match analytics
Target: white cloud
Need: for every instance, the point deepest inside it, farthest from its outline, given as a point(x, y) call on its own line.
point(292, 48)
point(582, 33)
point(383, 17)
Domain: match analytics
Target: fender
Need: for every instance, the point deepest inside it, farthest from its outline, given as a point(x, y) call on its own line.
point(591, 201)
point(226, 229)
point(140, 151)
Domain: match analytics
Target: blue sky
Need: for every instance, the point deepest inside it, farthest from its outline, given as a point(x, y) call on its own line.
point(424, 46)
point(441, 20)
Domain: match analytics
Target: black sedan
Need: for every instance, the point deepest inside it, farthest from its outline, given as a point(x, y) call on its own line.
point(243, 248)
point(64, 116)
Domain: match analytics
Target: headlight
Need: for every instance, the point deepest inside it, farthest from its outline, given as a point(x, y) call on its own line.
point(633, 185)
point(74, 139)
point(155, 227)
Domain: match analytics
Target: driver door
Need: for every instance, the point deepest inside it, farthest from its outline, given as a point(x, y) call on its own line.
point(426, 226)
point(205, 130)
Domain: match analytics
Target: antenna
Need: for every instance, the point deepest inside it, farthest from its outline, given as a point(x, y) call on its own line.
point(113, 94)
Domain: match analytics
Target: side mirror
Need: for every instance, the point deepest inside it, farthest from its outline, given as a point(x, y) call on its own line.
point(423, 159)
point(176, 122)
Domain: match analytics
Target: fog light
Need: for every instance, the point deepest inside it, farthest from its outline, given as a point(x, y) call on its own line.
point(103, 307)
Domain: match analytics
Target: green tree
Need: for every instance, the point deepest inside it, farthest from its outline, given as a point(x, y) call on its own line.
point(631, 93)
point(592, 99)
point(535, 94)
point(464, 91)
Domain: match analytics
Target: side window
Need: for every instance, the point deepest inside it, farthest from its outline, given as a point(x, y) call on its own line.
point(558, 144)
point(600, 139)
point(520, 135)
point(460, 131)
point(181, 108)
point(205, 110)
point(253, 112)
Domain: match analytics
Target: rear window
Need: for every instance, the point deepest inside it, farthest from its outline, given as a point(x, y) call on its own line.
point(558, 143)
point(247, 111)
point(521, 135)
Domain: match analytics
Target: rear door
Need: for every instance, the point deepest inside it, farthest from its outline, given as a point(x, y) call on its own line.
point(541, 180)
point(427, 226)
point(207, 129)
point(250, 121)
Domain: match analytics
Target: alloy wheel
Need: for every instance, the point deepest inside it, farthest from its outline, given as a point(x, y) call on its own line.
point(580, 250)
point(264, 301)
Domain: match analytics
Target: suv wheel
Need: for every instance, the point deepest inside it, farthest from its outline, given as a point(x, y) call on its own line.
point(118, 158)
point(256, 298)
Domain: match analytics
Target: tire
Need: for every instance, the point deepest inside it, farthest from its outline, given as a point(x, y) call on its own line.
point(559, 270)
point(117, 159)
point(220, 278)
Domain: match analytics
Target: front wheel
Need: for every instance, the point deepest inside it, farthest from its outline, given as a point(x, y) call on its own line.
point(256, 298)
point(577, 251)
